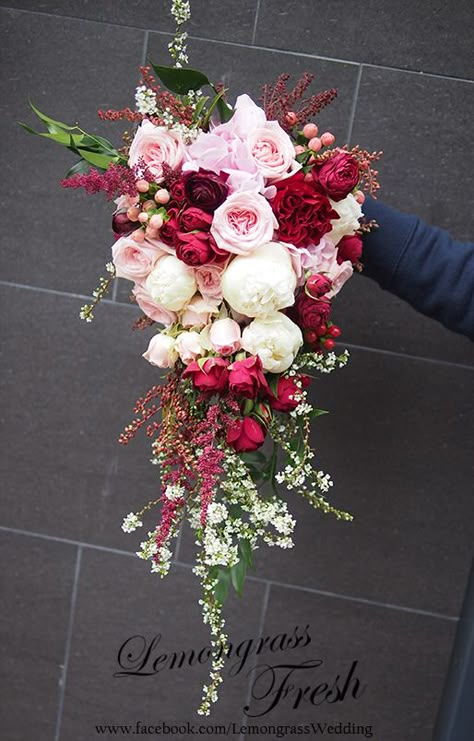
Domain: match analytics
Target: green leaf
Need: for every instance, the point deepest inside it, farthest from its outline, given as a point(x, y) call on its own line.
point(317, 413)
point(245, 550)
point(50, 121)
point(222, 587)
point(80, 167)
point(254, 458)
point(180, 80)
point(61, 137)
point(237, 575)
point(101, 161)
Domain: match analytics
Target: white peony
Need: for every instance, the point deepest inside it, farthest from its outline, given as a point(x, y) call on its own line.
point(348, 222)
point(171, 283)
point(260, 283)
point(275, 339)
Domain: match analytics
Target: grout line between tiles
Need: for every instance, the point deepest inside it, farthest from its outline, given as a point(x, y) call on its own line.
point(392, 353)
point(255, 24)
point(64, 294)
point(67, 651)
point(261, 625)
point(145, 48)
point(245, 46)
point(354, 105)
point(257, 579)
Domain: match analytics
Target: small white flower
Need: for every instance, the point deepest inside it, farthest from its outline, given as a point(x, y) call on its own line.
point(131, 522)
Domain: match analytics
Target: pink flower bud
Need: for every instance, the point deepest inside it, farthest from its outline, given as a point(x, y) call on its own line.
point(310, 130)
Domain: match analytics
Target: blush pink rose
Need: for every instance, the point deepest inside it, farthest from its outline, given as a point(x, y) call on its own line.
point(273, 151)
point(161, 351)
point(134, 260)
point(188, 345)
point(153, 145)
point(152, 309)
point(208, 279)
point(199, 311)
point(322, 258)
point(224, 336)
point(243, 222)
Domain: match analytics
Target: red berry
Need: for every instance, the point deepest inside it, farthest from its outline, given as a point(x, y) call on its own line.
point(335, 331)
point(310, 336)
point(329, 344)
point(322, 329)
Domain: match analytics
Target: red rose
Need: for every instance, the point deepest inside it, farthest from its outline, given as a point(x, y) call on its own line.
point(195, 218)
point(245, 434)
point(337, 175)
point(246, 378)
point(286, 391)
point(193, 248)
point(318, 285)
point(310, 313)
point(206, 189)
point(304, 213)
point(349, 248)
point(177, 190)
point(170, 227)
point(212, 375)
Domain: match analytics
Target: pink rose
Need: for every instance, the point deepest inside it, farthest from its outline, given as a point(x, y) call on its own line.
point(245, 434)
point(152, 309)
point(224, 336)
point(189, 346)
point(243, 222)
point(161, 351)
point(212, 375)
point(208, 279)
point(273, 151)
point(246, 378)
point(134, 260)
point(322, 258)
point(199, 311)
point(154, 145)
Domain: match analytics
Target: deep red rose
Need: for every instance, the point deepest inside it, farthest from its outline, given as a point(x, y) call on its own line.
point(195, 218)
point(246, 378)
point(170, 227)
point(245, 434)
point(218, 254)
point(349, 248)
point(303, 211)
point(177, 191)
point(122, 225)
point(285, 393)
point(318, 285)
point(193, 247)
point(337, 175)
point(206, 189)
point(310, 313)
point(212, 375)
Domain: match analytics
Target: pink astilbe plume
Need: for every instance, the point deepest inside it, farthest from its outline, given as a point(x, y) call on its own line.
point(278, 101)
point(116, 180)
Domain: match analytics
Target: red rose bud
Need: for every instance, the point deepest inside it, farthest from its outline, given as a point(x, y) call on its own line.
point(318, 285)
point(210, 375)
point(193, 248)
point(263, 412)
point(170, 227)
point(246, 378)
point(338, 175)
point(177, 191)
point(288, 393)
point(310, 313)
point(195, 218)
point(121, 224)
point(245, 435)
point(206, 190)
point(349, 248)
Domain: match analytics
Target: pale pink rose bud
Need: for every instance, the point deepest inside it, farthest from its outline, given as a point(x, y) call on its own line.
point(188, 345)
point(161, 351)
point(224, 336)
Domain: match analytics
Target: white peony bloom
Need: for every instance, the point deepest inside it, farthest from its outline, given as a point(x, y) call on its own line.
point(275, 339)
point(171, 283)
point(348, 222)
point(260, 283)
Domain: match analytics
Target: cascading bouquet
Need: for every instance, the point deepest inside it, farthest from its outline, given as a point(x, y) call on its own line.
point(237, 227)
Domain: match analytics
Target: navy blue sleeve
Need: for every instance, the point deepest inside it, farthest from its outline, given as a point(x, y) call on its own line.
point(421, 264)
